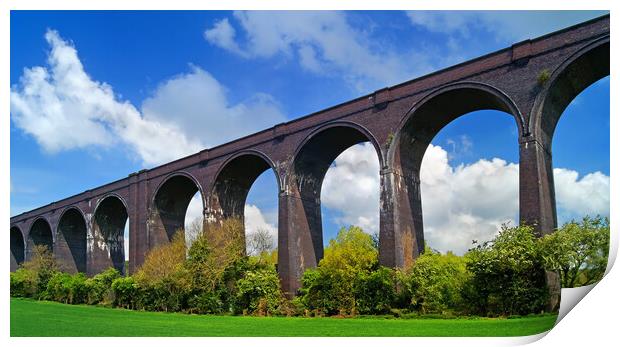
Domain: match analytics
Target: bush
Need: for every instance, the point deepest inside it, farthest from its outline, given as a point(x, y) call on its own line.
point(66, 288)
point(258, 292)
point(435, 282)
point(330, 289)
point(100, 286)
point(44, 265)
point(163, 280)
point(205, 302)
point(214, 263)
point(125, 291)
point(24, 283)
point(375, 291)
point(507, 272)
point(578, 251)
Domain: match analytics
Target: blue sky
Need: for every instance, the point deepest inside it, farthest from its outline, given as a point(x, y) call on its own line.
point(197, 79)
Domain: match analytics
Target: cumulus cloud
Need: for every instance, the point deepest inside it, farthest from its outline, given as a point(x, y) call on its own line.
point(460, 204)
point(63, 108)
point(351, 188)
point(577, 197)
point(255, 219)
point(503, 25)
point(322, 41)
point(198, 104)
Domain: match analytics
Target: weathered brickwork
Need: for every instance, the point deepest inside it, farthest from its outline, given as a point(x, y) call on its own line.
point(533, 81)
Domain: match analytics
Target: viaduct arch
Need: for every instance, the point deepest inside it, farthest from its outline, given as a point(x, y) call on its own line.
point(533, 80)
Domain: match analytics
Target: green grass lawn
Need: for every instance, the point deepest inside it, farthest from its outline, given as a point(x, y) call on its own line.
point(42, 318)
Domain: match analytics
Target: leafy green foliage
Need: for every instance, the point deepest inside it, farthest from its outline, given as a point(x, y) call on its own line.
point(43, 264)
point(501, 277)
point(163, 282)
point(344, 282)
point(507, 274)
point(375, 291)
point(24, 283)
point(436, 281)
point(70, 289)
point(100, 286)
point(578, 251)
point(125, 291)
point(258, 292)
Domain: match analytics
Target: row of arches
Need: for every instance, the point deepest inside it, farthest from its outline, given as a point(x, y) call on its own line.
point(303, 177)
point(69, 242)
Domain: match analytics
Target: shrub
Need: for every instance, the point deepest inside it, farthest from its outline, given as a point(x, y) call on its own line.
point(66, 288)
point(163, 280)
point(100, 286)
point(44, 265)
point(258, 292)
point(507, 274)
point(435, 282)
point(205, 302)
point(215, 262)
point(125, 291)
point(24, 283)
point(330, 289)
point(578, 251)
point(375, 291)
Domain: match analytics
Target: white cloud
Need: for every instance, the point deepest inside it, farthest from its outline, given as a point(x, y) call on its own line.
point(351, 187)
point(323, 42)
point(468, 202)
point(63, 108)
point(503, 25)
point(578, 197)
point(198, 104)
point(223, 35)
point(460, 204)
point(255, 219)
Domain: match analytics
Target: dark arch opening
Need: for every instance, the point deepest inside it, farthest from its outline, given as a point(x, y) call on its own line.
point(108, 229)
point(309, 168)
point(40, 234)
point(233, 184)
point(580, 73)
point(17, 248)
point(71, 241)
point(170, 207)
point(422, 126)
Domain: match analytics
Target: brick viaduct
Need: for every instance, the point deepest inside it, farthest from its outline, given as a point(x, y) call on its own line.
point(534, 81)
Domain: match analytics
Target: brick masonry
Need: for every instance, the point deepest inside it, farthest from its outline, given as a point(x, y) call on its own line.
point(533, 80)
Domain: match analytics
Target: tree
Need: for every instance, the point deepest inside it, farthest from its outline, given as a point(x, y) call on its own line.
point(435, 282)
point(352, 251)
point(507, 274)
point(162, 261)
point(260, 242)
point(578, 251)
point(216, 260)
point(334, 287)
point(163, 280)
point(43, 264)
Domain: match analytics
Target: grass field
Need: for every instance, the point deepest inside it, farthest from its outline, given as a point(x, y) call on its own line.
point(42, 318)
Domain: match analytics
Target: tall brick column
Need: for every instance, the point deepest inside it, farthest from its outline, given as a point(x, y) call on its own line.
point(297, 249)
point(537, 201)
point(138, 220)
point(536, 187)
point(401, 232)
